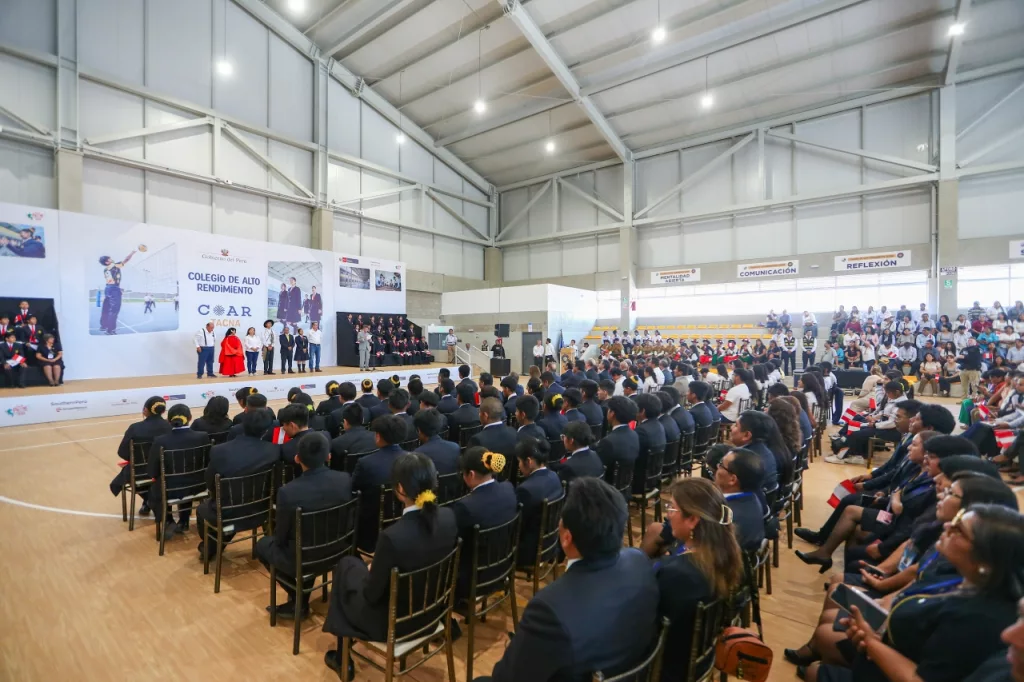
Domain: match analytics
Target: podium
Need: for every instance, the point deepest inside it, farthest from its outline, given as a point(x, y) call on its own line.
point(500, 367)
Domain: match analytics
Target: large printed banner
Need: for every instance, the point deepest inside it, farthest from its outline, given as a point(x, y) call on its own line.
point(18, 410)
point(775, 269)
point(130, 297)
point(682, 276)
point(872, 261)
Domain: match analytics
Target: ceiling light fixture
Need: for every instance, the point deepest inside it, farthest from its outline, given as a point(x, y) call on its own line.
point(400, 137)
point(550, 147)
point(224, 67)
point(658, 34)
point(706, 101)
point(479, 106)
point(956, 30)
point(297, 6)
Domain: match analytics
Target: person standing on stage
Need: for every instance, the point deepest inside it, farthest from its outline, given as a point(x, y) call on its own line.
point(287, 342)
point(205, 341)
point(365, 338)
point(450, 342)
point(112, 292)
point(315, 337)
point(252, 345)
point(316, 306)
point(267, 338)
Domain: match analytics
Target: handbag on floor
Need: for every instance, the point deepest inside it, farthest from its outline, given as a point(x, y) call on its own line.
point(740, 653)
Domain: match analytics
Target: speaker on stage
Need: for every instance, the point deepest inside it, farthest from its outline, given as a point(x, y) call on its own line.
point(501, 331)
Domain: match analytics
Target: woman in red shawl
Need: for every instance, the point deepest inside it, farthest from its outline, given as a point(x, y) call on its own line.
point(232, 359)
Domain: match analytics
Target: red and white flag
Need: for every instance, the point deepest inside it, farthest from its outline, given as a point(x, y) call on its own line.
point(842, 490)
point(848, 416)
point(871, 404)
point(985, 411)
point(1004, 437)
point(854, 427)
point(280, 437)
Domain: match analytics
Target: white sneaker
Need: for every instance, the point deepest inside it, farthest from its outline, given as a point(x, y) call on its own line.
point(834, 459)
point(855, 459)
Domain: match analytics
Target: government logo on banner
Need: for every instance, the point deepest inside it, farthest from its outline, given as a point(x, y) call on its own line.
point(676, 276)
point(776, 269)
point(872, 261)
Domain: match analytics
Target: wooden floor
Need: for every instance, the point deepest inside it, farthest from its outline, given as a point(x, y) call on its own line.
point(84, 599)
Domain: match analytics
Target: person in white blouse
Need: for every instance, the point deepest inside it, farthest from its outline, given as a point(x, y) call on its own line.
point(730, 407)
point(650, 384)
point(252, 345)
point(205, 341)
point(315, 337)
point(538, 354)
point(268, 338)
point(919, 314)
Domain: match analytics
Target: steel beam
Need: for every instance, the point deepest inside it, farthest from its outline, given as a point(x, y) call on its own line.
point(455, 214)
point(589, 199)
point(596, 231)
point(266, 160)
point(895, 160)
point(386, 10)
point(322, 21)
point(990, 169)
point(534, 108)
point(385, 171)
point(693, 177)
point(26, 136)
point(402, 225)
point(24, 122)
point(963, 11)
point(517, 218)
point(992, 146)
point(988, 112)
point(378, 195)
point(153, 130)
point(597, 165)
point(529, 28)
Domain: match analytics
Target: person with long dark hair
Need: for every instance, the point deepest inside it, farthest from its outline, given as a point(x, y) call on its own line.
point(149, 428)
point(423, 535)
point(786, 442)
point(215, 416)
point(180, 438)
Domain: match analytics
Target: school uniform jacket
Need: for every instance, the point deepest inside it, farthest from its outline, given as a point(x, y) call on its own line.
point(316, 489)
point(357, 439)
point(564, 633)
point(652, 437)
point(465, 415)
point(176, 439)
point(144, 431)
point(330, 405)
point(487, 505)
point(243, 456)
point(542, 484)
point(621, 444)
point(447, 404)
point(683, 418)
point(592, 412)
point(578, 464)
point(368, 401)
point(670, 426)
point(510, 405)
point(381, 409)
point(573, 414)
point(532, 430)
point(497, 438)
point(701, 414)
point(334, 421)
point(553, 425)
point(443, 453)
point(370, 473)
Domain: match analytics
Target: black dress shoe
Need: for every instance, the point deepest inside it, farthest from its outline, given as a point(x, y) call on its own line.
point(825, 564)
point(287, 611)
point(794, 657)
point(169, 530)
point(456, 630)
point(332, 659)
point(801, 672)
point(144, 509)
point(181, 526)
point(808, 535)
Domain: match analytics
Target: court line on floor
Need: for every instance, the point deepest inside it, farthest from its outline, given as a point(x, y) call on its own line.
point(73, 512)
point(67, 442)
point(74, 424)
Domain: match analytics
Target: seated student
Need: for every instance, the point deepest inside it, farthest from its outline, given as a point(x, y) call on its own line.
point(215, 416)
point(527, 408)
point(553, 422)
point(699, 408)
point(754, 431)
point(551, 386)
point(508, 391)
point(333, 401)
point(464, 378)
point(537, 483)
point(944, 631)
point(397, 405)
point(489, 503)
point(465, 415)
point(373, 471)
point(12, 349)
point(355, 438)
point(367, 399)
point(564, 633)
point(706, 566)
point(49, 357)
point(293, 421)
point(380, 408)
point(879, 425)
point(579, 459)
point(495, 436)
point(415, 389)
point(347, 392)
point(246, 455)
point(317, 488)
point(444, 453)
point(315, 421)
point(650, 433)
point(241, 396)
point(448, 403)
point(621, 444)
point(672, 432)
point(423, 535)
point(590, 408)
point(254, 402)
point(670, 406)
point(145, 431)
point(180, 437)
point(573, 399)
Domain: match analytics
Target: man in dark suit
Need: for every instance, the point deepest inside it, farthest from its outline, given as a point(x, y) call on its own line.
point(294, 421)
point(537, 483)
point(672, 432)
point(445, 454)
point(527, 408)
point(373, 471)
point(564, 633)
point(670, 406)
point(651, 434)
point(465, 415)
point(317, 488)
point(245, 455)
point(621, 444)
point(448, 403)
point(508, 390)
point(604, 374)
point(495, 436)
point(397, 403)
point(10, 349)
point(591, 410)
point(590, 371)
point(356, 437)
point(255, 402)
point(384, 390)
point(551, 387)
point(464, 378)
point(347, 391)
point(698, 393)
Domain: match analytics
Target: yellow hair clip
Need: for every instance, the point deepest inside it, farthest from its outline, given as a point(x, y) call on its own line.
point(253, 390)
point(424, 498)
point(494, 461)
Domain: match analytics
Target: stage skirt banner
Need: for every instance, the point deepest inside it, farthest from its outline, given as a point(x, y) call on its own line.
point(682, 276)
point(872, 261)
point(17, 410)
point(773, 269)
point(130, 296)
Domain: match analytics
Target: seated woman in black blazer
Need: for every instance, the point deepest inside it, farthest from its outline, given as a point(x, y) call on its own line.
point(489, 503)
point(553, 421)
point(215, 416)
point(152, 425)
point(579, 459)
point(705, 565)
point(424, 535)
point(181, 437)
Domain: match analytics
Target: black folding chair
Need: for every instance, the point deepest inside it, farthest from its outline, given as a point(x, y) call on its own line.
point(548, 554)
point(467, 432)
point(244, 503)
point(138, 480)
point(708, 623)
point(649, 670)
point(652, 489)
point(182, 482)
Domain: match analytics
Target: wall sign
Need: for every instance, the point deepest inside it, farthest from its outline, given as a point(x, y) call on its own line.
point(774, 269)
point(1017, 248)
point(676, 276)
point(872, 261)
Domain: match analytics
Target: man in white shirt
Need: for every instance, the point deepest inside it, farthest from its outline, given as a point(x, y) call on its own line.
point(268, 338)
point(315, 337)
point(450, 342)
point(205, 341)
point(918, 314)
point(618, 378)
point(549, 351)
point(810, 322)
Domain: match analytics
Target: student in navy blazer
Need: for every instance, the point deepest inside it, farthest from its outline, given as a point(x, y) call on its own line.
point(447, 403)
point(180, 437)
point(579, 460)
point(444, 454)
point(551, 385)
point(489, 503)
point(650, 432)
point(553, 422)
point(508, 391)
point(466, 415)
point(384, 390)
point(573, 400)
point(373, 471)
point(602, 613)
point(620, 444)
point(672, 432)
point(527, 408)
point(495, 436)
point(589, 407)
point(670, 406)
point(536, 484)
point(355, 439)
point(699, 410)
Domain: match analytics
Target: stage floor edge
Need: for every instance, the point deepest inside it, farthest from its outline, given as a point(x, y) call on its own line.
point(114, 397)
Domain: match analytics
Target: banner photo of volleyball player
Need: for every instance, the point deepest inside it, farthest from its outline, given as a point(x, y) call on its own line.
point(133, 287)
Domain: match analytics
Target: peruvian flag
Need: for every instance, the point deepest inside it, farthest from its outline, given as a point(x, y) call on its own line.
point(871, 404)
point(848, 416)
point(1004, 437)
point(842, 490)
point(280, 437)
point(854, 427)
point(985, 411)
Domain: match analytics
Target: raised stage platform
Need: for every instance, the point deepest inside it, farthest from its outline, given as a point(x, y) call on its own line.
point(112, 397)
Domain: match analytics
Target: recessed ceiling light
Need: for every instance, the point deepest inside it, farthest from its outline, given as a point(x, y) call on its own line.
point(400, 138)
point(956, 30)
point(706, 101)
point(296, 5)
point(224, 67)
point(480, 106)
point(658, 34)
point(550, 146)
